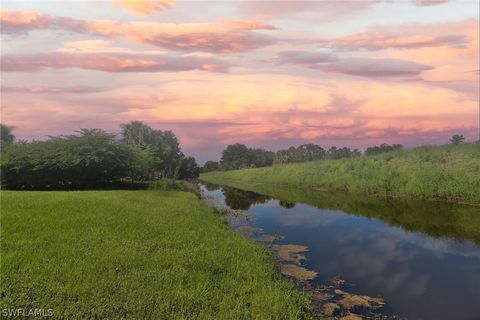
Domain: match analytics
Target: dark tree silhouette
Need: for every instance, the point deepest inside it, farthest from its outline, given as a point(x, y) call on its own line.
point(457, 139)
point(6, 135)
point(211, 166)
point(382, 148)
point(238, 156)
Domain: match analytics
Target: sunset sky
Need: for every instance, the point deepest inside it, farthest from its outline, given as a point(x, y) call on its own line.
point(267, 74)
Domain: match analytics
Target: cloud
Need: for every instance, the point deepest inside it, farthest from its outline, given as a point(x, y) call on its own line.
point(49, 90)
point(364, 67)
point(215, 37)
point(305, 57)
point(378, 40)
point(143, 7)
point(265, 110)
point(91, 46)
point(110, 62)
point(373, 68)
point(21, 22)
point(324, 11)
point(424, 3)
point(453, 64)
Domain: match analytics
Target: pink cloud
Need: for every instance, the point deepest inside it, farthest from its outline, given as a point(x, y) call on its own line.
point(143, 7)
point(378, 40)
point(218, 37)
point(424, 3)
point(305, 57)
point(95, 46)
point(326, 11)
point(49, 90)
point(258, 109)
point(374, 68)
point(110, 62)
point(269, 105)
point(453, 64)
point(21, 22)
point(365, 67)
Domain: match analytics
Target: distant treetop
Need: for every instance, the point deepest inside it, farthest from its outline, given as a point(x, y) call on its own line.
point(457, 139)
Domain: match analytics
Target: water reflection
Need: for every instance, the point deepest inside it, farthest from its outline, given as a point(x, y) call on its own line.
point(437, 219)
point(242, 200)
point(422, 257)
point(286, 204)
point(238, 199)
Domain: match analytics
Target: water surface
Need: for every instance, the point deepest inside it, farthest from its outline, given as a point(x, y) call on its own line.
point(422, 257)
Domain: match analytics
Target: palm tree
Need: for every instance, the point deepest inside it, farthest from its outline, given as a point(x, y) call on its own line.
point(6, 135)
point(457, 139)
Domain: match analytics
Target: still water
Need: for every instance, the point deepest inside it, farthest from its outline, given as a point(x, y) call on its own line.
point(422, 257)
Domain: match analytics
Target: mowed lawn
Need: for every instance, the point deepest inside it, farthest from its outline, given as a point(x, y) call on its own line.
point(135, 254)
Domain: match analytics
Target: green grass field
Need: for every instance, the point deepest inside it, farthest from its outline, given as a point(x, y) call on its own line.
point(444, 173)
point(135, 254)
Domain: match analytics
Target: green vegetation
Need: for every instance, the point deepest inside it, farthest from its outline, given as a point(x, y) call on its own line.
point(164, 146)
point(6, 135)
point(449, 172)
point(303, 153)
point(94, 159)
point(135, 254)
point(382, 149)
point(166, 184)
point(239, 156)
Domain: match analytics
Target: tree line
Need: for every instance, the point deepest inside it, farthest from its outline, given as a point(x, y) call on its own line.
point(239, 156)
point(93, 158)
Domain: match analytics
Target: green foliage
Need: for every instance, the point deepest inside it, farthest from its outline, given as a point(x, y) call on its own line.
point(94, 159)
point(188, 168)
point(211, 166)
point(303, 153)
point(382, 148)
point(141, 162)
point(165, 184)
point(135, 255)
point(239, 156)
point(339, 153)
point(171, 162)
point(6, 135)
point(449, 172)
point(261, 158)
point(236, 156)
point(90, 159)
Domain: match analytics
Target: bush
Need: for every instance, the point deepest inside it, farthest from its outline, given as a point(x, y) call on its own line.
point(91, 159)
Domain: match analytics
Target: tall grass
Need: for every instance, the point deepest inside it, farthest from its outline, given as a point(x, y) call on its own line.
point(135, 255)
point(433, 172)
point(168, 184)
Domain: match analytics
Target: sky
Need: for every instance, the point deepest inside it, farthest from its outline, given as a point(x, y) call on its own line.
point(268, 74)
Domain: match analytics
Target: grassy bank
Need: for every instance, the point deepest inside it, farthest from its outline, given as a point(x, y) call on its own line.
point(449, 173)
point(135, 254)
